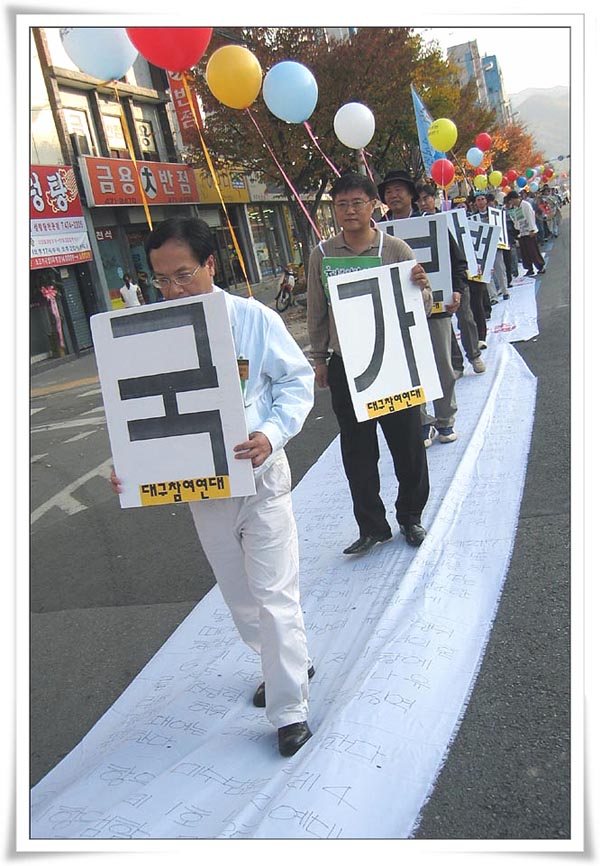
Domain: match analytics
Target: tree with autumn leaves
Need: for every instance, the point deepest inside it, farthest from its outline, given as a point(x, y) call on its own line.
point(375, 67)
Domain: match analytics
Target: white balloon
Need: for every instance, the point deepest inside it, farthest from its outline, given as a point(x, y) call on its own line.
point(354, 125)
point(106, 53)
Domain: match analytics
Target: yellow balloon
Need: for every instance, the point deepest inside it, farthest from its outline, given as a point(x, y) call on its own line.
point(481, 181)
point(442, 134)
point(234, 76)
point(495, 178)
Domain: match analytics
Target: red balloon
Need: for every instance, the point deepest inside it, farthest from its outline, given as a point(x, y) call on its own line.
point(504, 181)
point(442, 171)
point(483, 141)
point(480, 171)
point(511, 175)
point(172, 48)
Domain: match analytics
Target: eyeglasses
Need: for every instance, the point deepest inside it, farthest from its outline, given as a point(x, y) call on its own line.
point(181, 280)
point(355, 204)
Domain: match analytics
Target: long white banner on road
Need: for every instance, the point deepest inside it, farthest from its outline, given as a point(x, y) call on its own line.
point(397, 638)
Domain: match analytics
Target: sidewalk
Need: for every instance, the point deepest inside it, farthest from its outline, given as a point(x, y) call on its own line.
point(57, 374)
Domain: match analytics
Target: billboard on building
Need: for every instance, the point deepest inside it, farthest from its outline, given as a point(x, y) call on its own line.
point(58, 234)
point(119, 182)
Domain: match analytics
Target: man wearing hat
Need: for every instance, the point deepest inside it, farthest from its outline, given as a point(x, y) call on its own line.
point(399, 192)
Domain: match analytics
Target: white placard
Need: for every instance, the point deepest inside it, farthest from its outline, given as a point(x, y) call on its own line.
point(427, 236)
point(173, 401)
point(384, 338)
point(458, 223)
point(496, 217)
point(485, 239)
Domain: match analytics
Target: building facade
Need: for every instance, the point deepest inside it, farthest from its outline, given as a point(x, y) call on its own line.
point(497, 96)
point(467, 60)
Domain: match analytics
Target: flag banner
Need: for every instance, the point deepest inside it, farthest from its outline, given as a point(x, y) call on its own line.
point(424, 120)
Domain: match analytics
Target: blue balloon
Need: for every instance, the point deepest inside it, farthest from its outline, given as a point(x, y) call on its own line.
point(521, 181)
point(474, 156)
point(290, 91)
point(106, 53)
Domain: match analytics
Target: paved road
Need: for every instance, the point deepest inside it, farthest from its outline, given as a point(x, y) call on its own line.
point(109, 586)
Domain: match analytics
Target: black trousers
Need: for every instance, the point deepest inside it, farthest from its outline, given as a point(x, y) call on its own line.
point(360, 455)
point(476, 297)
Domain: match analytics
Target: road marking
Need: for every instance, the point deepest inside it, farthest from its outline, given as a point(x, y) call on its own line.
point(37, 457)
point(63, 425)
point(91, 393)
point(52, 389)
point(91, 411)
point(79, 436)
point(39, 409)
point(64, 498)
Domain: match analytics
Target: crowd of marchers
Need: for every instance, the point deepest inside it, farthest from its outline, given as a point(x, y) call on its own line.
point(251, 542)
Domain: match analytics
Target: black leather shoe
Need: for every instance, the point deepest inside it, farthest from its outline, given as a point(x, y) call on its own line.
point(259, 699)
point(292, 737)
point(414, 533)
point(366, 542)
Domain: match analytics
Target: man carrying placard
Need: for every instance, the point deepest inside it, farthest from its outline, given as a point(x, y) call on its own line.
point(359, 244)
point(251, 542)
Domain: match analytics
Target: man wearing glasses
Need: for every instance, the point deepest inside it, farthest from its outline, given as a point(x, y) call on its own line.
point(251, 542)
point(355, 199)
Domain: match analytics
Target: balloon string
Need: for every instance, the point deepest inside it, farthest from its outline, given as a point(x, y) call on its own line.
point(132, 157)
point(327, 160)
point(193, 105)
point(286, 178)
point(362, 156)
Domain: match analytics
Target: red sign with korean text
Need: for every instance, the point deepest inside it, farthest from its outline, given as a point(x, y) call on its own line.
point(119, 182)
point(58, 233)
point(184, 111)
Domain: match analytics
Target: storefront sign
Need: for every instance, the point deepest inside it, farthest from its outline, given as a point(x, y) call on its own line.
point(184, 111)
point(119, 182)
point(58, 231)
point(232, 186)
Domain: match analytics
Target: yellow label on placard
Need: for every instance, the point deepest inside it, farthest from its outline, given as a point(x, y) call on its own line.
point(438, 307)
point(396, 402)
point(187, 490)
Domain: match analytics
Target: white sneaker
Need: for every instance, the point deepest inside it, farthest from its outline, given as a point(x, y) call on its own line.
point(478, 365)
point(446, 434)
point(482, 344)
point(429, 432)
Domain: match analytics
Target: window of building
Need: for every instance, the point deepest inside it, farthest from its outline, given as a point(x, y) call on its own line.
point(78, 123)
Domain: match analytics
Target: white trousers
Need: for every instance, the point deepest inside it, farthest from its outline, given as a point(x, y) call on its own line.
point(251, 543)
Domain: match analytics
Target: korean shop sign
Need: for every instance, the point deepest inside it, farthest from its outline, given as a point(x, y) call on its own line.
point(58, 234)
point(119, 182)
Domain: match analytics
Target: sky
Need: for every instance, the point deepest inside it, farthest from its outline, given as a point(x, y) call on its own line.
point(528, 57)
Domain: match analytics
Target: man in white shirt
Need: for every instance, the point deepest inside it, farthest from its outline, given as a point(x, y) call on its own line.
point(523, 217)
point(251, 542)
point(131, 293)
